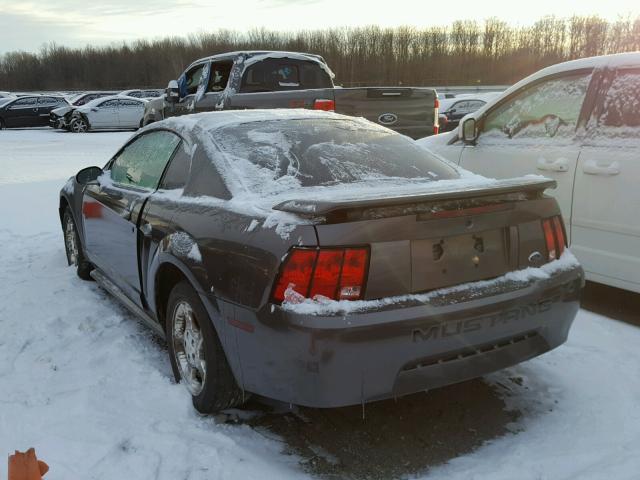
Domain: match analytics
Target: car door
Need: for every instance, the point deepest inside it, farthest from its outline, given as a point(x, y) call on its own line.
point(45, 105)
point(606, 205)
point(111, 207)
point(23, 112)
point(105, 115)
point(130, 113)
point(533, 131)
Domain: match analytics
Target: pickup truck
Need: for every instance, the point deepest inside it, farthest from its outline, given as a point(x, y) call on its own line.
point(259, 79)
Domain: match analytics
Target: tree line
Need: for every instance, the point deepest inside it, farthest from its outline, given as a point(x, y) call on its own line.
point(463, 53)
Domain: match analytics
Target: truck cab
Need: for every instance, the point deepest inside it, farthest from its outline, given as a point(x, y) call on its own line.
point(247, 80)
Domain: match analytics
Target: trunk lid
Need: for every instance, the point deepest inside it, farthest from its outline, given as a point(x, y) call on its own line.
point(434, 239)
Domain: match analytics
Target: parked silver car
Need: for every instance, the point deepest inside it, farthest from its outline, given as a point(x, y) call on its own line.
point(112, 113)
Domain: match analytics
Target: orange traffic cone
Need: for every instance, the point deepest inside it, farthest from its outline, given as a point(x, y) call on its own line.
point(25, 466)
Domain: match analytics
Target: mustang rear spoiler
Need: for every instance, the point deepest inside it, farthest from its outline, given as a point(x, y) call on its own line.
point(323, 207)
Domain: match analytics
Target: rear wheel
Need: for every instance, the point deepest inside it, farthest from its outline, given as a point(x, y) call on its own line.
point(79, 125)
point(197, 358)
point(73, 247)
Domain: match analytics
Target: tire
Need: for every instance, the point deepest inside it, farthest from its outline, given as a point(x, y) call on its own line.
point(211, 382)
point(73, 247)
point(79, 125)
point(2, 124)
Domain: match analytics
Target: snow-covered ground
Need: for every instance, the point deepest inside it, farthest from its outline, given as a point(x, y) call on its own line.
point(91, 390)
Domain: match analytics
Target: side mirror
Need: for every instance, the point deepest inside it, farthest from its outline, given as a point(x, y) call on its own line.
point(88, 175)
point(468, 130)
point(172, 92)
point(94, 109)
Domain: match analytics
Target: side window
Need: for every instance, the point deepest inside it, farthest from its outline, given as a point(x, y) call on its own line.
point(547, 109)
point(47, 101)
point(129, 104)
point(219, 76)
point(142, 162)
point(177, 172)
point(109, 104)
point(475, 105)
point(135, 94)
point(192, 79)
point(25, 102)
point(618, 113)
point(269, 76)
point(151, 93)
point(461, 107)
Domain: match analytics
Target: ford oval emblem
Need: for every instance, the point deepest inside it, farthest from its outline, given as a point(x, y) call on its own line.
point(388, 118)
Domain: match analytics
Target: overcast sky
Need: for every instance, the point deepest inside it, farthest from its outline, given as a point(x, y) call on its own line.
point(27, 25)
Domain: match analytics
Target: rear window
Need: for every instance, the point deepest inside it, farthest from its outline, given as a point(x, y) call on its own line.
point(320, 152)
point(282, 74)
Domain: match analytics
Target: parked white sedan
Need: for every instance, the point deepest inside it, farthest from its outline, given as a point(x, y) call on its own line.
point(108, 113)
point(579, 123)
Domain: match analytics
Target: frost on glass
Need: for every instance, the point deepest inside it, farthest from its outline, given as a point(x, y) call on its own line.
point(547, 110)
point(619, 116)
point(142, 162)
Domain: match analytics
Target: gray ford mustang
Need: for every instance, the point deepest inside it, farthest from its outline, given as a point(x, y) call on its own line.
point(319, 259)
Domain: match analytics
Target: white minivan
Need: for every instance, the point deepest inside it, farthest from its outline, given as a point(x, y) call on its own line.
point(577, 122)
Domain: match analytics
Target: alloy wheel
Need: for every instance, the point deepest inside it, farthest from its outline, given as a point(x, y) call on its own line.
point(188, 348)
point(79, 126)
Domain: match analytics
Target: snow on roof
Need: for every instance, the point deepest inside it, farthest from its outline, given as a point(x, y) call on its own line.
point(249, 57)
point(99, 100)
point(212, 120)
point(617, 60)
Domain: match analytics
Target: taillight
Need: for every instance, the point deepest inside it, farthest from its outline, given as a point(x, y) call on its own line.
point(561, 241)
point(324, 104)
point(554, 237)
point(334, 273)
point(436, 116)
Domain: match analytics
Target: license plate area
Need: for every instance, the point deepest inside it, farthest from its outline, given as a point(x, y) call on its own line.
point(445, 261)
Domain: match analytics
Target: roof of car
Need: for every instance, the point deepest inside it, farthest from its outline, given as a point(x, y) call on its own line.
point(95, 101)
point(267, 53)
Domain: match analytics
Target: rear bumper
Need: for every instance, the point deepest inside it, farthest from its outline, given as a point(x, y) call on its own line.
point(339, 360)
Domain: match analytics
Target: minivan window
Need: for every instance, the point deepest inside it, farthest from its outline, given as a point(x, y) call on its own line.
point(549, 108)
point(622, 101)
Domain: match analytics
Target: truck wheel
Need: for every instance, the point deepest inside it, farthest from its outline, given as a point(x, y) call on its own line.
point(79, 125)
point(197, 357)
point(73, 247)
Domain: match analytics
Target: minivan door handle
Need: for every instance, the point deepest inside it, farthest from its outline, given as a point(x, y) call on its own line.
point(593, 167)
point(557, 165)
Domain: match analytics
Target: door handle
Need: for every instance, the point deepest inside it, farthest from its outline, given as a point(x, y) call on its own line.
point(557, 165)
point(593, 167)
point(146, 229)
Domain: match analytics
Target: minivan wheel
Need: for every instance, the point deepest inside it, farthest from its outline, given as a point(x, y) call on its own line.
point(79, 125)
point(73, 247)
point(197, 358)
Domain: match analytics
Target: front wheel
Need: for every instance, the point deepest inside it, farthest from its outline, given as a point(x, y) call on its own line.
point(79, 125)
point(197, 358)
point(73, 247)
